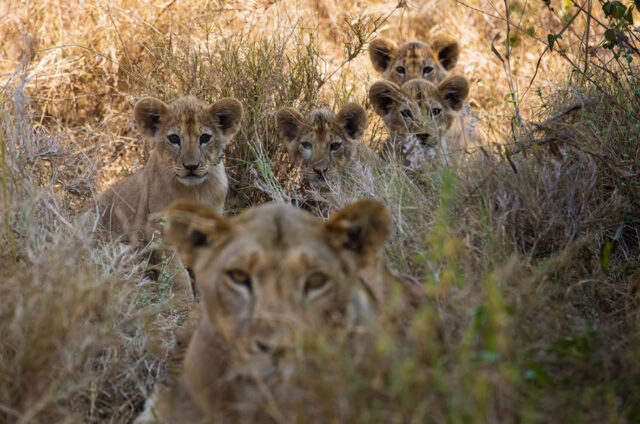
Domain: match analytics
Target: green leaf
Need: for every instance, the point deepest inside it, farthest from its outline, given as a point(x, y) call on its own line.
point(551, 38)
point(605, 254)
point(610, 35)
point(614, 9)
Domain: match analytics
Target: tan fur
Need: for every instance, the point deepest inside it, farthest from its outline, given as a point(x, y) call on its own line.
point(430, 61)
point(419, 113)
point(322, 143)
point(266, 275)
point(188, 170)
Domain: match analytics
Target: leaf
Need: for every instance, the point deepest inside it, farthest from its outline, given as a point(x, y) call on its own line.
point(610, 35)
point(614, 9)
point(605, 254)
point(551, 38)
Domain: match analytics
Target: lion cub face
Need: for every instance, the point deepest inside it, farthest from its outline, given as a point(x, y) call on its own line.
point(414, 59)
point(275, 270)
point(321, 143)
point(189, 135)
point(419, 113)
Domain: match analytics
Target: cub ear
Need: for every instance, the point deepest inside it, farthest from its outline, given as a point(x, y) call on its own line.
point(447, 49)
point(455, 90)
point(383, 95)
point(381, 51)
point(359, 230)
point(148, 114)
point(353, 118)
point(227, 114)
point(191, 227)
point(288, 123)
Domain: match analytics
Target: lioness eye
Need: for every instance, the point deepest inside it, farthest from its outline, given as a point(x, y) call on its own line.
point(400, 69)
point(240, 278)
point(427, 69)
point(436, 111)
point(334, 146)
point(174, 139)
point(306, 145)
point(406, 113)
point(204, 138)
point(316, 281)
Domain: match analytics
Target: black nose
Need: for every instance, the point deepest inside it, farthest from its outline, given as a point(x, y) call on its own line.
point(424, 137)
point(262, 346)
point(191, 167)
point(320, 172)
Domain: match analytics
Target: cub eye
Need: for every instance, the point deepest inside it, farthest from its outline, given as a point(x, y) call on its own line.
point(315, 282)
point(240, 278)
point(436, 111)
point(400, 69)
point(174, 139)
point(406, 113)
point(204, 138)
point(334, 146)
point(427, 69)
point(306, 145)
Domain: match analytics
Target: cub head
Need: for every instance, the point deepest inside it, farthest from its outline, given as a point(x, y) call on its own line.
point(419, 109)
point(414, 59)
point(321, 143)
point(188, 135)
point(275, 270)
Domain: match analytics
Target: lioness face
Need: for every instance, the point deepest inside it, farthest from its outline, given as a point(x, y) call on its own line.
point(189, 135)
point(419, 113)
point(414, 59)
point(275, 270)
point(321, 143)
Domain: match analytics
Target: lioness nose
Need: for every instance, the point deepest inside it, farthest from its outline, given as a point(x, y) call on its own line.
point(191, 167)
point(264, 346)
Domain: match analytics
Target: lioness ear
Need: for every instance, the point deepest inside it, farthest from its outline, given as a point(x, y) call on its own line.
point(148, 114)
point(227, 114)
point(353, 118)
point(448, 50)
point(383, 96)
point(360, 229)
point(192, 226)
point(381, 51)
point(454, 89)
point(288, 122)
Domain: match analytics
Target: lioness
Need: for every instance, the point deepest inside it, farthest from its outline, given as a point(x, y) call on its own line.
point(414, 59)
point(265, 275)
point(418, 115)
point(188, 138)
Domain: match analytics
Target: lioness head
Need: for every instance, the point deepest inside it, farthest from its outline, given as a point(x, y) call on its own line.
point(414, 59)
point(189, 135)
point(275, 269)
point(321, 143)
point(420, 112)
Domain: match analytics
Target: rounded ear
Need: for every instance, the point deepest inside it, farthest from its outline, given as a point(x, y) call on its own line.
point(227, 114)
point(455, 90)
point(447, 50)
point(353, 118)
point(359, 230)
point(383, 96)
point(381, 51)
point(191, 227)
point(148, 114)
point(288, 122)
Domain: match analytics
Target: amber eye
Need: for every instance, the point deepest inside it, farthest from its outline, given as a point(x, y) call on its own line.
point(406, 113)
point(427, 69)
point(306, 145)
point(335, 146)
point(204, 138)
point(174, 139)
point(315, 282)
point(435, 111)
point(400, 70)
point(240, 278)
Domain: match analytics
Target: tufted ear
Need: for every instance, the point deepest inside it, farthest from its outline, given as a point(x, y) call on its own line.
point(359, 230)
point(353, 118)
point(227, 114)
point(148, 114)
point(288, 122)
point(384, 95)
point(192, 226)
point(447, 49)
point(455, 90)
point(381, 51)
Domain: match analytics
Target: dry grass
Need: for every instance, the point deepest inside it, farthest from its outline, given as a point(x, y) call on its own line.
point(528, 244)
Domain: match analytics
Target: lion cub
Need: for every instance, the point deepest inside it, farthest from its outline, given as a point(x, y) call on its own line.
point(322, 143)
point(188, 138)
point(418, 115)
point(266, 275)
point(414, 59)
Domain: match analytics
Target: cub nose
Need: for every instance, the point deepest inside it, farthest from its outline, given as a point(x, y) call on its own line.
point(191, 167)
point(424, 137)
point(320, 172)
point(266, 346)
